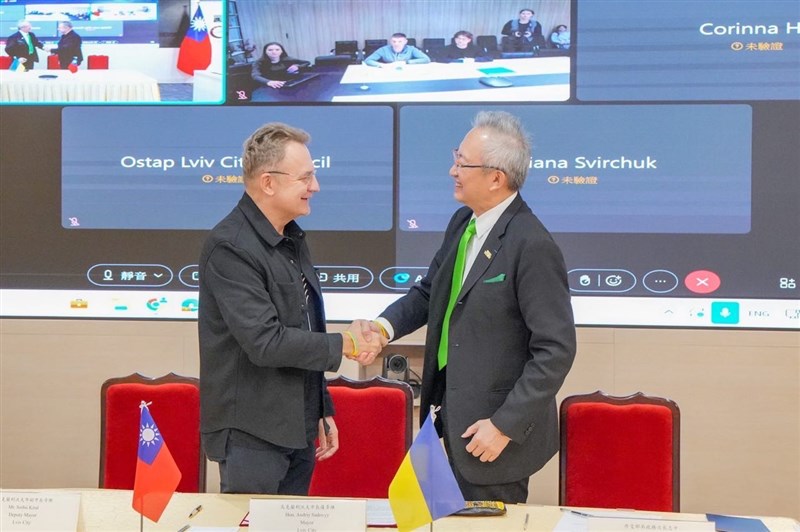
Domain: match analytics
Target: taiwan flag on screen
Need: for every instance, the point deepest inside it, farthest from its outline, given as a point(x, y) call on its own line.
point(195, 52)
point(157, 475)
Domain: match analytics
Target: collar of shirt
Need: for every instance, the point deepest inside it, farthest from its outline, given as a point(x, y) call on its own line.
point(263, 225)
point(485, 222)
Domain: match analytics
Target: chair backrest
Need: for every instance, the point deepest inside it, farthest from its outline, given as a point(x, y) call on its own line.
point(176, 411)
point(375, 432)
point(5, 62)
point(432, 42)
point(52, 62)
point(97, 62)
point(370, 45)
point(412, 41)
point(620, 452)
point(487, 44)
point(346, 48)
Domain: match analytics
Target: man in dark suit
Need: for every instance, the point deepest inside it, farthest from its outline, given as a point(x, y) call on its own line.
point(509, 339)
point(22, 45)
point(261, 324)
point(69, 45)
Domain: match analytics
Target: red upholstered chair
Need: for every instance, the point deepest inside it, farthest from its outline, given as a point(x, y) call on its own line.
point(374, 422)
point(620, 452)
point(52, 62)
point(176, 410)
point(5, 62)
point(98, 62)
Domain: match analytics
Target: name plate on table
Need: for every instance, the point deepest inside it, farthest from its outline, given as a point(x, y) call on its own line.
point(611, 524)
point(32, 511)
point(307, 515)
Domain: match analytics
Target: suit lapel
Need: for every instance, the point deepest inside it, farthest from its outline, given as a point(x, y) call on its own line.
point(491, 247)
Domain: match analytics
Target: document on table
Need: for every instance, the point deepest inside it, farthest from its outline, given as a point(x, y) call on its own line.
point(379, 513)
point(612, 520)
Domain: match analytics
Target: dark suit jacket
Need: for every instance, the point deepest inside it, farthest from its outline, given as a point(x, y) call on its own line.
point(17, 47)
point(512, 341)
point(69, 46)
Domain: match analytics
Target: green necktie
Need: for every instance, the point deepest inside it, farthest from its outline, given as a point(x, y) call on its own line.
point(455, 288)
point(27, 38)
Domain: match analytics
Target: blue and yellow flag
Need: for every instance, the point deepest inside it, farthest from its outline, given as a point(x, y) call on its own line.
point(17, 66)
point(424, 487)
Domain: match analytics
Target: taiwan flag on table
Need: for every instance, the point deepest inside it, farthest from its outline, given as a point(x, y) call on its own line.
point(424, 487)
point(195, 52)
point(157, 475)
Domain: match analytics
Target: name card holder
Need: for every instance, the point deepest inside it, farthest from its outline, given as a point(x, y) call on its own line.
point(33, 511)
point(307, 515)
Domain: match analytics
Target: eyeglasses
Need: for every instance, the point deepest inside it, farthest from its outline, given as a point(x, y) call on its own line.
point(306, 178)
point(459, 166)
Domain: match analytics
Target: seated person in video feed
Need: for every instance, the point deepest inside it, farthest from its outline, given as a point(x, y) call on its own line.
point(522, 34)
point(560, 38)
point(460, 49)
point(69, 46)
point(22, 45)
point(274, 68)
point(398, 51)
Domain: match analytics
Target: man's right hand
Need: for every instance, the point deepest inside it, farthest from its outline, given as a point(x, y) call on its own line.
point(368, 342)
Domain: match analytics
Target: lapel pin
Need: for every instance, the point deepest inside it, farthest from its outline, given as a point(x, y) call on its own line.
point(487, 253)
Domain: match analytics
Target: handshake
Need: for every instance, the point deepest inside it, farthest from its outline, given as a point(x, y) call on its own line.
point(363, 340)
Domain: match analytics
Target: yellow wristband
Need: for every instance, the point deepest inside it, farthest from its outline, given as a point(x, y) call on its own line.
point(384, 333)
point(354, 354)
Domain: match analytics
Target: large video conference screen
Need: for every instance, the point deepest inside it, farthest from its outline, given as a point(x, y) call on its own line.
point(665, 147)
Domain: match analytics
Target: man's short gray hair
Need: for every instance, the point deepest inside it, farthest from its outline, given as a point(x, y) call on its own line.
point(509, 149)
point(266, 147)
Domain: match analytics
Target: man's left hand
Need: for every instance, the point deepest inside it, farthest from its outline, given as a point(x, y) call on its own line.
point(487, 441)
point(328, 440)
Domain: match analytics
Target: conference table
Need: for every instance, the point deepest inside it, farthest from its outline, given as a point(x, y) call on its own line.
point(110, 510)
point(530, 78)
point(55, 86)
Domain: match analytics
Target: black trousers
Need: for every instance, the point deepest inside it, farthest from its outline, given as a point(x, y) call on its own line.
point(266, 469)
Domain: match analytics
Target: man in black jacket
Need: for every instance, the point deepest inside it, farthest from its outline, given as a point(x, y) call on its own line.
point(69, 45)
point(261, 325)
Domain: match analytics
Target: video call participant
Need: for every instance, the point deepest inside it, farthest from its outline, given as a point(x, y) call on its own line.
point(460, 49)
point(69, 45)
point(522, 34)
point(22, 45)
point(261, 325)
point(500, 345)
point(274, 68)
point(397, 51)
point(561, 37)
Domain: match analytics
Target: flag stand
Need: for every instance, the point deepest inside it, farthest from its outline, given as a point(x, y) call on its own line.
point(141, 522)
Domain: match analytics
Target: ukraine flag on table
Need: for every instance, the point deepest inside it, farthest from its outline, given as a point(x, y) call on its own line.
point(424, 487)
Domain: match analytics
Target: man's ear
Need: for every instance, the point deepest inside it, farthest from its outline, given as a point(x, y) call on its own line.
point(499, 180)
point(266, 183)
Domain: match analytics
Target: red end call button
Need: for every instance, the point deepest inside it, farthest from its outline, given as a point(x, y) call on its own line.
point(702, 281)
